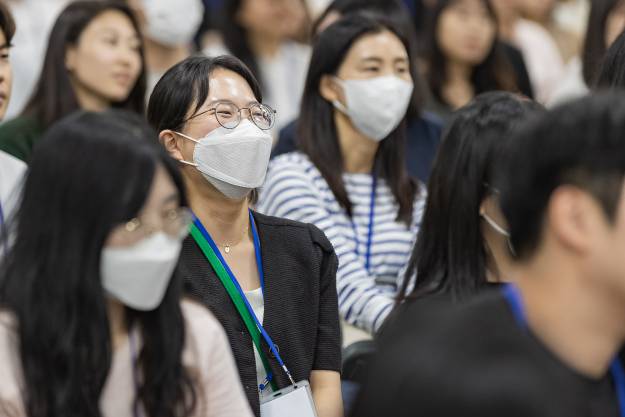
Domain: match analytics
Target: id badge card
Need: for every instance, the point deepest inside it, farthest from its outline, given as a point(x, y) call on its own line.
point(294, 400)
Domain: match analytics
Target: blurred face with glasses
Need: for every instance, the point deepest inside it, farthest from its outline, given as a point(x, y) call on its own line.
point(225, 141)
point(160, 213)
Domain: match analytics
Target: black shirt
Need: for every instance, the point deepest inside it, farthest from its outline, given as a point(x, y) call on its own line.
point(423, 136)
point(438, 359)
point(301, 307)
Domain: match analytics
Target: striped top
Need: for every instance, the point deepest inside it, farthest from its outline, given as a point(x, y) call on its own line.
point(295, 189)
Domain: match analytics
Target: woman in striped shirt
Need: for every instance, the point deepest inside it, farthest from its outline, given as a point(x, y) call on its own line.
point(349, 178)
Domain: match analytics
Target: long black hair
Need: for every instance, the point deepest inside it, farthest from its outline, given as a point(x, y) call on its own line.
point(494, 73)
point(594, 45)
point(317, 134)
point(612, 71)
point(54, 96)
point(450, 255)
point(91, 173)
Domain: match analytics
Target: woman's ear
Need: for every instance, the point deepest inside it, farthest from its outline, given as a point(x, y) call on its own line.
point(172, 143)
point(329, 89)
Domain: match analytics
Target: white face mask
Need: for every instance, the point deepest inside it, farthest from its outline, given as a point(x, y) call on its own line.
point(173, 22)
point(139, 275)
point(233, 160)
point(376, 106)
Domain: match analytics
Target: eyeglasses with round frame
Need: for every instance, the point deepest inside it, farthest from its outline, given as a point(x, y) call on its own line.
point(176, 224)
point(228, 115)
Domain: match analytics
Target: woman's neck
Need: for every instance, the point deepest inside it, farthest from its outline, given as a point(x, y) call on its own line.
point(458, 89)
point(263, 45)
point(89, 101)
point(225, 219)
point(117, 322)
point(358, 151)
point(159, 58)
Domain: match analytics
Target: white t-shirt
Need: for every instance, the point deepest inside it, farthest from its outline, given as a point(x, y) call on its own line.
point(257, 302)
point(11, 174)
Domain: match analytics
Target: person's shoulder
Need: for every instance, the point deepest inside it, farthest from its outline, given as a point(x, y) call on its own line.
point(199, 320)
point(294, 229)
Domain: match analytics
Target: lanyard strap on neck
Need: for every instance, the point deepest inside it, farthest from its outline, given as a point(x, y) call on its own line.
point(513, 296)
point(232, 287)
point(369, 228)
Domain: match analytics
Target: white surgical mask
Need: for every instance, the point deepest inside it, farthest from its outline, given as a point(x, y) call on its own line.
point(233, 160)
point(173, 22)
point(138, 275)
point(375, 106)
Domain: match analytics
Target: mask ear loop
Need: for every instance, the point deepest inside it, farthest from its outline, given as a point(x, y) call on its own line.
point(499, 230)
point(182, 161)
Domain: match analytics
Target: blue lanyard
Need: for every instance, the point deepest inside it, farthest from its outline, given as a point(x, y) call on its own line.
point(369, 229)
point(261, 275)
point(1, 215)
point(513, 297)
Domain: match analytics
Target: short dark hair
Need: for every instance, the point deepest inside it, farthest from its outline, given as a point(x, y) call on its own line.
point(580, 144)
point(450, 254)
point(612, 71)
point(186, 85)
point(494, 73)
point(317, 135)
point(7, 23)
point(594, 44)
point(54, 96)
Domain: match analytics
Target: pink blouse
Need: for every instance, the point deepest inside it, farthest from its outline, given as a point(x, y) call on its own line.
point(206, 353)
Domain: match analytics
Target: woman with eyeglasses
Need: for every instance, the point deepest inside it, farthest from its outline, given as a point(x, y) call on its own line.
point(350, 179)
point(91, 317)
point(271, 282)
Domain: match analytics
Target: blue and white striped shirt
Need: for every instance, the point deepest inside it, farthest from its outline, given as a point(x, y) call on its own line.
point(295, 189)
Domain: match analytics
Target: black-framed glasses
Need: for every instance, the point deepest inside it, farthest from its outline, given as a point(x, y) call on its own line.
point(228, 115)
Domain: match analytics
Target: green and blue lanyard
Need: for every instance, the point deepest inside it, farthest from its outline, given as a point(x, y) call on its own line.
point(228, 279)
point(369, 229)
point(513, 296)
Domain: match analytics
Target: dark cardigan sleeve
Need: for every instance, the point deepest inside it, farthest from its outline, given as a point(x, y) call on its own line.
point(328, 349)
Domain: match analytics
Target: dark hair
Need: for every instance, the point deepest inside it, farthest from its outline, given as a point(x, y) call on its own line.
point(494, 73)
point(579, 144)
point(612, 71)
point(186, 85)
point(7, 23)
point(393, 11)
point(450, 255)
point(51, 275)
point(317, 133)
point(54, 96)
point(594, 45)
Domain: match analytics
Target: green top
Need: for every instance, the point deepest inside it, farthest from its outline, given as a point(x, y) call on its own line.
point(18, 136)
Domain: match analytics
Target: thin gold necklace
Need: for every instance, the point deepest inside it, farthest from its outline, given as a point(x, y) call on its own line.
point(228, 246)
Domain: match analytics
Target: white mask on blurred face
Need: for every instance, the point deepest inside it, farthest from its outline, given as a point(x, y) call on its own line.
point(138, 275)
point(173, 22)
point(376, 106)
